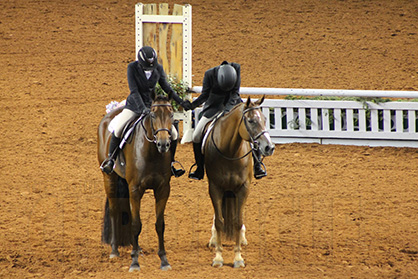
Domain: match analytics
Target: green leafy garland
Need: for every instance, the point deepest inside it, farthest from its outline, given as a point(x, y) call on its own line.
point(179, 86)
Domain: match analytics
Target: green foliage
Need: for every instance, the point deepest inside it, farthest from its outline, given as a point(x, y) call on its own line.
point(179, 86)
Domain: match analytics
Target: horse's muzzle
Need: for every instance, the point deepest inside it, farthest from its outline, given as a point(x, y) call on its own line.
point(267, 150)
point(163, 145)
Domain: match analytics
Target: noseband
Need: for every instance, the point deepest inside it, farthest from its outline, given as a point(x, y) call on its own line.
point(155, 132)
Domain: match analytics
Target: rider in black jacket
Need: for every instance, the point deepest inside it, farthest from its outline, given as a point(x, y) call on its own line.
point(220, 92)
point(143, 76)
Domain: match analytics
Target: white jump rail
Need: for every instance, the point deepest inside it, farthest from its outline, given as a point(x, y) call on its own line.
point(340, 122)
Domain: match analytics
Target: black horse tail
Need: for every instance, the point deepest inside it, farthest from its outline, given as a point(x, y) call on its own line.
point(230, 214)
point(123, 213)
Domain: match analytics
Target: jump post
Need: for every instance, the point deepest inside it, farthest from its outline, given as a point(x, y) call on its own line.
point(153, 25)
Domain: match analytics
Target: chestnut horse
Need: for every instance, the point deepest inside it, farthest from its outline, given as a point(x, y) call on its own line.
point(144, 163)
point(229, 168)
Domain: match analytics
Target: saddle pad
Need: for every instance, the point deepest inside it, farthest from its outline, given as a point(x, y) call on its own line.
point(127, 132)
point(207, 131)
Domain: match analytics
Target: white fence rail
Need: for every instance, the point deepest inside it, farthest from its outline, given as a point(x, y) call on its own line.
point(323, 92)
point(342, 122)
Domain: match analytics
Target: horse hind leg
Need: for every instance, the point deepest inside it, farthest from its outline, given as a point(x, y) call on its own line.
point(238, 260)
point(110, 229)
point(240, 228)
point(243, 238)
point(212, 240)
point(116, 224)
point(218, 261)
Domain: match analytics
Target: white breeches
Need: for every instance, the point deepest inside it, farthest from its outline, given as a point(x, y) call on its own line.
point(198, 131)
point(118, 123)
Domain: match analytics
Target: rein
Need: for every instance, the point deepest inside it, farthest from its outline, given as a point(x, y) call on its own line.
point(253, 140)
point(155, 132)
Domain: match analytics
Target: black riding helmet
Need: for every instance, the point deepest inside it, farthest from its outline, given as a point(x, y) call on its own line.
point(227, 77)
point(147, 58)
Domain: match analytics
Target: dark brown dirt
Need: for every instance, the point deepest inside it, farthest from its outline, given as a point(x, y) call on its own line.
point(323, 211)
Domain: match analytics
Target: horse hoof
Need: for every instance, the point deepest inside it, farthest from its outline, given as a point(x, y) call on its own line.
point(134, 267)
point(217, 264)
point(238, 264)
point(114, 255)
point(166, 267)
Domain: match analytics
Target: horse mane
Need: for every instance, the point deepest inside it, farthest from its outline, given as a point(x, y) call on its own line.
point(236, 107)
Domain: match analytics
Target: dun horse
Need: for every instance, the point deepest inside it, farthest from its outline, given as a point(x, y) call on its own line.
point(229, 169)
point(144, 163)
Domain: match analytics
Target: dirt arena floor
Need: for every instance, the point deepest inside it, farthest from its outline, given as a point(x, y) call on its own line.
point(322, 212)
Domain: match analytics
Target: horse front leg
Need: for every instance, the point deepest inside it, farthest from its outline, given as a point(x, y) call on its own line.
point(161, 197)
point(216, 197)
point(135, 201)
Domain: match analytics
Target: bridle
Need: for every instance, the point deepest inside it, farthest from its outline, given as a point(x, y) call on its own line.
point(253, 139)
point(155, 132)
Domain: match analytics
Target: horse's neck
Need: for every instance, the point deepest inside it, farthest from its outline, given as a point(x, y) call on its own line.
point(229, 136)
point(143, 134)
point(145, 129)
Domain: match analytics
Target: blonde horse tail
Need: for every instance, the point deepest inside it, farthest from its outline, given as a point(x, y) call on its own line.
point(230, 214)
point(123, 212)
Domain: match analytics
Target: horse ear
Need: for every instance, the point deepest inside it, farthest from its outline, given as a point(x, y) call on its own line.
point(248, 102)
point(170, 95)
point(260, 101)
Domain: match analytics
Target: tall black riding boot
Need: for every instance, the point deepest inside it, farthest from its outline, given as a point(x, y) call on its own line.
point(109, 162)
point(259, 172)
point(200, 162)
point(174, 171)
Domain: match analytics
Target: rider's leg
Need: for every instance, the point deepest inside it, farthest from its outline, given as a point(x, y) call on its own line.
point(116, 127)
point(173, 147)
point(259, 172)
point(109, 163)
point(199, 173)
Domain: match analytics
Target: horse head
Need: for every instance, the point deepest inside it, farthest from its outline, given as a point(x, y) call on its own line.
point(254, 129)
point(161, 117)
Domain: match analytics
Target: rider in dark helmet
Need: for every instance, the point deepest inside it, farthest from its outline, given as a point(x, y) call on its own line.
point(143, 76)
point(147, 58)
point(220, 92)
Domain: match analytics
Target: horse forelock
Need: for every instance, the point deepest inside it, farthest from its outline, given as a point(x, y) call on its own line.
point(161, 98)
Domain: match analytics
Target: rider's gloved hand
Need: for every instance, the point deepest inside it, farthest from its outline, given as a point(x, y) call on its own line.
point(186, 105)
